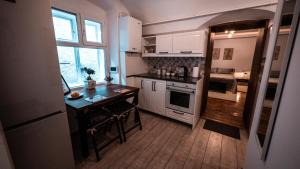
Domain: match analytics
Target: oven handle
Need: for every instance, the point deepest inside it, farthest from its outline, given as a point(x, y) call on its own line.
point(185, 91)
point(152, 86)
point(142, 82)
point(181, 113)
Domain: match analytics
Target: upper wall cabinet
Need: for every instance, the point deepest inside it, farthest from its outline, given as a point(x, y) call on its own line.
point(130, 34)
point(189, 42)
point(164, 44)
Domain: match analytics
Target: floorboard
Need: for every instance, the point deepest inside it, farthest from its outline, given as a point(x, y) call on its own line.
point(227, 112)
point(196, 156)
point(213, 152)
point(165, 143)
point(228, 147)
point(184, 148)
point(147, 155)
point(166, 152)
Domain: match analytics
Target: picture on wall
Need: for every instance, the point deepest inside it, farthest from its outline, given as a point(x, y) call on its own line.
point(276, 53)
point(216, 53)
point(228, 52)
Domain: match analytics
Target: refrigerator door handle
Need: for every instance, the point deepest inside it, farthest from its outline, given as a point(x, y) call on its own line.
point(31, 121)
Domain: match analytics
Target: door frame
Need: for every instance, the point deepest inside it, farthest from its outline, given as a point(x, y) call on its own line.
point(262, 26)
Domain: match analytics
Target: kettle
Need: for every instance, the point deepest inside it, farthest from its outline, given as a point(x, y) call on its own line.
point(182, 71)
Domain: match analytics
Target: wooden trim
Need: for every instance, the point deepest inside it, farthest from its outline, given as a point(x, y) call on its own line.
point(239, 25)
point(262, 25)
point(254, 76)
point(208, 60)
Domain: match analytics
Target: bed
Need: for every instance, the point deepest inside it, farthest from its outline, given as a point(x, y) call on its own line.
point(222, 84)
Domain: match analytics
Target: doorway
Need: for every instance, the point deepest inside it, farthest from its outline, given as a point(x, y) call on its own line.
point(232, 69)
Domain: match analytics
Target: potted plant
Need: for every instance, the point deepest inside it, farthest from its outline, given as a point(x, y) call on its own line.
point(89, 83)
point(108, 79)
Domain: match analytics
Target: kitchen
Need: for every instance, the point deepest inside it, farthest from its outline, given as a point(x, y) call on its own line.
point(173, 85)
point(124, 84)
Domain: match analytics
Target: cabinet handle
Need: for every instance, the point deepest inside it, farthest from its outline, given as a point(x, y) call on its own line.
point(154, 86)
point(181, 113)
point(142, 82)
point(133, 48)
point(163, 52)
point(186, 52)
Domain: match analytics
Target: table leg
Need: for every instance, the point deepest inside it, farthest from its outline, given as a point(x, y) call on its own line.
point(82, 123)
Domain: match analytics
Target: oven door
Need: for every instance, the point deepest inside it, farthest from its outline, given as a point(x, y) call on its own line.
point(181, 99)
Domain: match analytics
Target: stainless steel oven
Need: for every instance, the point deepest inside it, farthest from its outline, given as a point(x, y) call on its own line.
point(180, 97)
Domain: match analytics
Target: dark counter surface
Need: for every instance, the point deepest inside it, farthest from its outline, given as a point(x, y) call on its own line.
point(191, 80)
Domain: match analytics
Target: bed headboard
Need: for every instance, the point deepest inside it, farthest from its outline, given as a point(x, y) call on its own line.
point(222, 70)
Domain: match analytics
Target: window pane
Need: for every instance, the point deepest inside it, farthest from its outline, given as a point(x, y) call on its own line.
point(93, 58)
point(65, 26)
point(67, 62)
point(93, 31)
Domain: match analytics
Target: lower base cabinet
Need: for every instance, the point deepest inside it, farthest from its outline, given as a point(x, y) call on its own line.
point(152, 94)
point(181, 116)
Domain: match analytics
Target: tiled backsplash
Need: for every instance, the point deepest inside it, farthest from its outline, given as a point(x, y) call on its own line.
point(174, 62)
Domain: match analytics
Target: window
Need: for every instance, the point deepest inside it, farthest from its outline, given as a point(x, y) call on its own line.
point(73, 58)
point(65, 26)
point(93, 31)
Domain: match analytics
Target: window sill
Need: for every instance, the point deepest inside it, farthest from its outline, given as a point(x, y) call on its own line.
point(82, 86)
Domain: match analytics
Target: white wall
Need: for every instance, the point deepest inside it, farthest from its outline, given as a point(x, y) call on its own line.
point(243, 52)
point(114, 9)
point(284, 150)
point(156, 11)
point(204, 21)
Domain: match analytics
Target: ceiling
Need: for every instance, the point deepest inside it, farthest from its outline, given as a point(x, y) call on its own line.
point(157, 11)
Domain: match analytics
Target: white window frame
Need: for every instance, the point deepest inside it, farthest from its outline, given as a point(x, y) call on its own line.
point(79, 32)
point(84, 38)
point(82, 42)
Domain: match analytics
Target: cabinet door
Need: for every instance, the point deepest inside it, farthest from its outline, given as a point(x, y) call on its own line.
point(135, 35)
point(158, 97)
point(139, 84)
point(164, 44)
point(189, 42)
point(148, 92)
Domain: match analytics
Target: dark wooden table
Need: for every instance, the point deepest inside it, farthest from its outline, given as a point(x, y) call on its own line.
point(81, 106)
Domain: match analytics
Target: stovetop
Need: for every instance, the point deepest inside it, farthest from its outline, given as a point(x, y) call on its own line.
point(188, 79)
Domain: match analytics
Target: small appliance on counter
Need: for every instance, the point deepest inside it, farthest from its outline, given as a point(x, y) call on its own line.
point(182, 71)
point(195, 72)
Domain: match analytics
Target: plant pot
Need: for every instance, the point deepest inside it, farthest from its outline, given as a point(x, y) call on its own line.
point(108, 83)
point(90, 84)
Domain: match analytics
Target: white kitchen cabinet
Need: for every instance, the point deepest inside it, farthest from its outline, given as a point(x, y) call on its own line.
point(139, 84)
point(147, 89)
point(130, 34)
point(164, 44)
point(189, 42)
point(159, 97)
point(151, 95)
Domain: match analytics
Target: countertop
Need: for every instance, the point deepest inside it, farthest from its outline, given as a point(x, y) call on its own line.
point(190, 80)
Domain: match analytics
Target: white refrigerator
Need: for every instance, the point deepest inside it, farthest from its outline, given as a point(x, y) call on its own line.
point(32, 109)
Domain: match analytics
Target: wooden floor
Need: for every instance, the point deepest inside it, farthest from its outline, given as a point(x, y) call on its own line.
point(227, 112)
point(164, 143)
